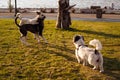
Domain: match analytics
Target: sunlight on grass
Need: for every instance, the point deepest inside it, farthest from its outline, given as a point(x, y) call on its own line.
point(56, 60)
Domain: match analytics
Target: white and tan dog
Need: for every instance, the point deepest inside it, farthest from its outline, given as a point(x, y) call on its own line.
point(89, 55)
point(28, 20)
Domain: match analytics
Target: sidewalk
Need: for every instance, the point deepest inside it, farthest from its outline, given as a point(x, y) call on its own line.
point(53, 16)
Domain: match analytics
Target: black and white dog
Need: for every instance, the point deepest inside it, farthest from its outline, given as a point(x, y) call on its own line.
point(37, 29)
point(89, 55)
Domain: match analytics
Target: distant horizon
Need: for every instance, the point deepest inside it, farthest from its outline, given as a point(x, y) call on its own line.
point(54, 3)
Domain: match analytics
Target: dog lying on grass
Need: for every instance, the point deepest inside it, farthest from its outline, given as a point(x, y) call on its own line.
point(88, 55)
point(37, 29)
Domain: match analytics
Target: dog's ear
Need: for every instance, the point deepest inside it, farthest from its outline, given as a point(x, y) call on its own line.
point(44, 16)
point(76, 38)
point(38, 13)
point(83, 38)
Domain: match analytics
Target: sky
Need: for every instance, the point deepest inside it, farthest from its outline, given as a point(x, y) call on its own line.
point(54, 3)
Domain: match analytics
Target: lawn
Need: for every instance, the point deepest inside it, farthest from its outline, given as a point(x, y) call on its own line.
point(56, 60)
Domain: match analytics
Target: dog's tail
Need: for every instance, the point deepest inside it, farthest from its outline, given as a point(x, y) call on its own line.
point(19, 15)
point(96, 43)
point(16, 18)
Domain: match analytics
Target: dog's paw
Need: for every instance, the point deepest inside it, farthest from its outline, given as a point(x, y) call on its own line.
point(94, 68)
point(101, 71)
point(84, 64)
point(79, 62)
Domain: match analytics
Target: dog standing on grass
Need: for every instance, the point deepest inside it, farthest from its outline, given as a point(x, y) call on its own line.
point(35, 26)
point(89, 55)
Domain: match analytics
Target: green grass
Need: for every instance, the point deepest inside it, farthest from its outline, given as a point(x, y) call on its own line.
point(56, 60)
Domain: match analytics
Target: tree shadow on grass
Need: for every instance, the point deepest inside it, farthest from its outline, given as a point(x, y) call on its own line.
point(69, 58)
point(112, 67)
point(94, 32)
point(61, 50)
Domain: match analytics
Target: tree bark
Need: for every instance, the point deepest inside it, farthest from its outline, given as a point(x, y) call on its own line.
point(10, 6)
point(63, 17)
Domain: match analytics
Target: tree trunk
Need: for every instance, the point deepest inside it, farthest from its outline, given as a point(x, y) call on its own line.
point(10, 6)
point(63, 17)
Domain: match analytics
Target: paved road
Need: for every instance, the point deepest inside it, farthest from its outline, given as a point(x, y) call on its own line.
point(53, 16)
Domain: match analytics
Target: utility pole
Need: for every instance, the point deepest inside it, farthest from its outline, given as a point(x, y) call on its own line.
point(15, 7)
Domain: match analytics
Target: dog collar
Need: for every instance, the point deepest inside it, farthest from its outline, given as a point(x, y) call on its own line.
point(78, 47)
